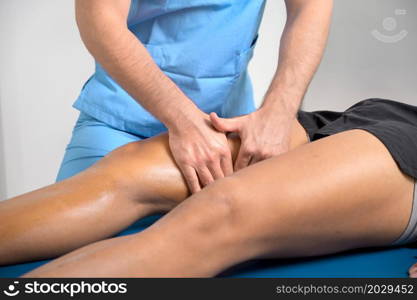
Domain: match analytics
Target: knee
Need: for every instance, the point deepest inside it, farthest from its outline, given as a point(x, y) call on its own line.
point(217, 211)
point(225, 210)
point(212, 221)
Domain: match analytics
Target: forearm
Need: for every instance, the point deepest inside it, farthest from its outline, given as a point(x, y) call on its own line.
point(302, 46)
point(126, 59)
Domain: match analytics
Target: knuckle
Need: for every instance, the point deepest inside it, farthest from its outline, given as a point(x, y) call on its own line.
point(183, 157)
point(184, 161)
point(249, 150)
point(199, 166)
point(198, 162)
point(220, 148)
point(225, 152)
point(211, 158)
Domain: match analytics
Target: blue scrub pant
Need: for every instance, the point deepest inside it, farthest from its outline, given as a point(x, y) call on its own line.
point(91, 140)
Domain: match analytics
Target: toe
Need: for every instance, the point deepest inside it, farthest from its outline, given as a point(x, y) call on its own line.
point(413, 271)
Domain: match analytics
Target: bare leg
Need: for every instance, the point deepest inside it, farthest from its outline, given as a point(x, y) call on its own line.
point(337, 193)
point(133, 181)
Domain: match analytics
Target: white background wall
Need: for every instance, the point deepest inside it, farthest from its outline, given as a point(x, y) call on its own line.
point(43, 65)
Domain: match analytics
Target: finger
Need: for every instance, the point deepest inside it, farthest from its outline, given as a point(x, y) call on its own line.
point(226, 164)
point(191, 179)
point(225, 125)
point(205, 176)
point(216, 170)
point(265, 155)
point(242, 160)
point(255, 159)
point(259, 157)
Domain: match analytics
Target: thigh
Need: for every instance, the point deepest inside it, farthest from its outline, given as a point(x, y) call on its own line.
point(340, 192)
point(91, 140)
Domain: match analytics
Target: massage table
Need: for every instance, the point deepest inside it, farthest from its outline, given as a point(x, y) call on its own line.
point(375, 262)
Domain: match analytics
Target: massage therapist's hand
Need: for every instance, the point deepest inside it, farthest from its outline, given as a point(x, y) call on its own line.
point(266, 132)
point(263, 133)
point(201, 152)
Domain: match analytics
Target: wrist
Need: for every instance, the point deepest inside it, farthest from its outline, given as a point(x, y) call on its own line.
point(185, 118)
point(281, 106)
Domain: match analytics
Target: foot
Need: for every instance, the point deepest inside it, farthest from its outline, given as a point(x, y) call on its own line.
point(412, 272)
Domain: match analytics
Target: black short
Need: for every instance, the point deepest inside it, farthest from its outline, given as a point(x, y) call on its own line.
point(394, 123)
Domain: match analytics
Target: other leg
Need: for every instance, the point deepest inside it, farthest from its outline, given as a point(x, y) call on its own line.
point(338, 193)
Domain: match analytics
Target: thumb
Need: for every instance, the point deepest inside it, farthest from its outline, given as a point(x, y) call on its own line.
point(225, 125)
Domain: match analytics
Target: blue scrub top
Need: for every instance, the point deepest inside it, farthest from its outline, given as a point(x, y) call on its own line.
point(204, 46)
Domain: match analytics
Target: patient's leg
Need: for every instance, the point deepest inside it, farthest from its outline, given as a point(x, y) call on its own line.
point(131, 182)
point(337, 193)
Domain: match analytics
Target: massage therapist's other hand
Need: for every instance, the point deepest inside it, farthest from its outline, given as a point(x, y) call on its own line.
point(201, 152)
point(263, 133)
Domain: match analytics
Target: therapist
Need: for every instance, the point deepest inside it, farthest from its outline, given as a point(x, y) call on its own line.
point(167, 64)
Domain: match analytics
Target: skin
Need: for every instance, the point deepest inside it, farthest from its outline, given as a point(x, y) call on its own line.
point(132, 182)
point(200, 151)
point(318, 198)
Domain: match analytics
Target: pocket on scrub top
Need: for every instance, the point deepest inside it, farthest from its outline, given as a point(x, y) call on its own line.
point(181, 4)
point(246, 55)
point(200, 62)
point(195, 63)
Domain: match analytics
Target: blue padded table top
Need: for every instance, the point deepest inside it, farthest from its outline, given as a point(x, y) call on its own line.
point(387, 262)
